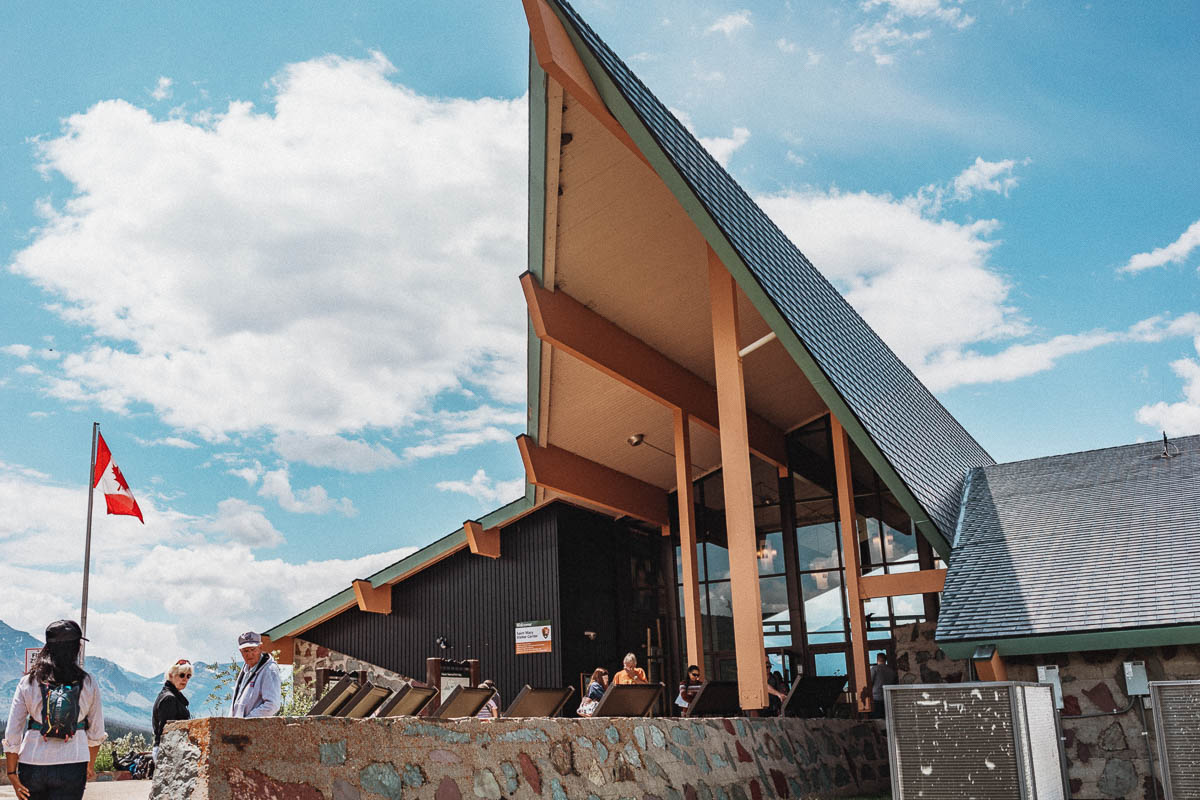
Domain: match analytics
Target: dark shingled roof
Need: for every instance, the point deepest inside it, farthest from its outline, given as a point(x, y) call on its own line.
point(925, 445)
point(1087, 542)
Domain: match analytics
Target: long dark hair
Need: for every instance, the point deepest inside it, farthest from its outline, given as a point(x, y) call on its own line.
point(58, 662)
point(597, 674)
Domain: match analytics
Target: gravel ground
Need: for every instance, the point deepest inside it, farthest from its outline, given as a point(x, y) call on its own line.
point(108, 790)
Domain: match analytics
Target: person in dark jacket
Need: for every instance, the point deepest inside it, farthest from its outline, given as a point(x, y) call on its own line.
point(171, 705)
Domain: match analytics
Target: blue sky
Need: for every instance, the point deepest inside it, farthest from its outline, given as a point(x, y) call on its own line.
point(273, 250)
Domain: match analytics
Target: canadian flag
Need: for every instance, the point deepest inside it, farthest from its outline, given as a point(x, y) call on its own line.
point(116, 491)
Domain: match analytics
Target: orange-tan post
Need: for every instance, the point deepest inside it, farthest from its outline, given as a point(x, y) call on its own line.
point(692, 621)
point(482, 542)
point(991, 669)
point(375, 599)
point(849, 519)
point(739, 489)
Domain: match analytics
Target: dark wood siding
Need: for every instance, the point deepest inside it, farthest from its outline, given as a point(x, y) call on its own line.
point(612, 577)
point(475, 603)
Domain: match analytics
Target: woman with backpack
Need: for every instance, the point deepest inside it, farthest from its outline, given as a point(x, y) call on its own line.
point(56, 723)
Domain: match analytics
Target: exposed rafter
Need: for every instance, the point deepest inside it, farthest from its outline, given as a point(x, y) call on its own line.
point(482, 542)
point(571, 326)
point(375, 599)
point(575, 476)
point(557, 56)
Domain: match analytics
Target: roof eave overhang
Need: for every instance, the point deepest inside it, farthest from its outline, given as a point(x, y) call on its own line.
point(662, 165)
point(1123, 639)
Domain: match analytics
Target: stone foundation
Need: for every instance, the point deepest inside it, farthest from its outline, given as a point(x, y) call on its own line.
point(920, 660)
point(309, 657)
point(328, 758)
point(1107, 754)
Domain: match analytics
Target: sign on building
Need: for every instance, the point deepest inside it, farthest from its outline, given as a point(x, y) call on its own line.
point(534, 636)
point(31, 654)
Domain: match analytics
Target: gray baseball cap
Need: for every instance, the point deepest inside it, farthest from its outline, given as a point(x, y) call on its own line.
point(249, 639)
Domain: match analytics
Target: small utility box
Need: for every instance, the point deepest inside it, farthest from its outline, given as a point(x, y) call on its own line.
point(1136, 683)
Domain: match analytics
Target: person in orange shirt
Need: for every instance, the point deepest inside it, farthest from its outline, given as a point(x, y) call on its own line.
point(632, 672)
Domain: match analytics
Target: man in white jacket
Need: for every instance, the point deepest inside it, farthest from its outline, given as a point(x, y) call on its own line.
point(258, 690)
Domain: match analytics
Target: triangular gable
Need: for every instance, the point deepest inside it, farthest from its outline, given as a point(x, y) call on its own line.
point(919, 450)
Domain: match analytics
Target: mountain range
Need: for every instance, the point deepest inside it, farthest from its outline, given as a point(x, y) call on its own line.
point(128, 697)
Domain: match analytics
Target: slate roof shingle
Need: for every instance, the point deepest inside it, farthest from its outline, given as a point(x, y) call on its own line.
point(926, 446)
point(1101, 540)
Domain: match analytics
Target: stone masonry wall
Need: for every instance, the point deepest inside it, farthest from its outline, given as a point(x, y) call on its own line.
point(920, 660)
point(328, 758)
point(309, 657)
point(1106, 755)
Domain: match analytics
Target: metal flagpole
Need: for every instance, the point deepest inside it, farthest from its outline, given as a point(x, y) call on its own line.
point(87, 547)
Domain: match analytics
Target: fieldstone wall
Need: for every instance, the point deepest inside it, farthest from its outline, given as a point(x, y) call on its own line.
point(1107, 754)
point(329, 758)
point(309, 657)
point(920, 660)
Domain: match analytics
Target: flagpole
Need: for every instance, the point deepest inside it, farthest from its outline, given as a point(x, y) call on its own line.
point(87, 546)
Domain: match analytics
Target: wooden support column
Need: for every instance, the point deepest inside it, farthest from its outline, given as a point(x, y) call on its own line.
point(377, 600)
point(791, 559)
point(739, 489)
point(991, 668)
point(860, 669)
point(692, 618)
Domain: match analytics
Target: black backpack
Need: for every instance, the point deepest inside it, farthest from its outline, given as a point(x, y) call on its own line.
point(60, 711)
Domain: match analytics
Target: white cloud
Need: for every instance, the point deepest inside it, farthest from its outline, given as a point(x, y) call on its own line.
point(447, 444)
point(39, 414)
point(785, 46)
point(162, 89)
point(813, 59)
point(450, 432)
point(723, 148)
point(333, 264)
point(249, 474)
point(1174, 253)
point(245, 523)
point(334, 452)
point(983, 176)
point(485, 489)
point(927, 284)
point(18, 350)
point(730, 24)
point(177, 587)
point(884, 36)
point(1182, 417)
point(276, 485)
point(168, 441)
point(27, 369)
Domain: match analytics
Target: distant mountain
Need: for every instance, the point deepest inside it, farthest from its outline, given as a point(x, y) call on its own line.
point(128, 697)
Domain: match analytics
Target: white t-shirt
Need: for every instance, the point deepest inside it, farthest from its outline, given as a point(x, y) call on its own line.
point(36, 749)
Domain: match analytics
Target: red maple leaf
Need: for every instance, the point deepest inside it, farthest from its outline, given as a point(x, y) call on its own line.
point(120, 478)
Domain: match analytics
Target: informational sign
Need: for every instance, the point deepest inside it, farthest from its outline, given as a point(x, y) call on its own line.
point(31, 654)
point(534, 636)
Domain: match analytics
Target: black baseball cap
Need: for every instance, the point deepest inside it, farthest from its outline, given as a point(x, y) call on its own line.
point(64, 630)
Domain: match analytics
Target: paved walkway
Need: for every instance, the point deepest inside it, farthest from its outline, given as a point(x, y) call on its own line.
point(107, 790)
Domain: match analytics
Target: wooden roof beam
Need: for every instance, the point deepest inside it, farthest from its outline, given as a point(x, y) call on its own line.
point(482, 542)
point(557, 56)
point(925, 581)
point(374, 599)
point(571, 326)
point(575, 476)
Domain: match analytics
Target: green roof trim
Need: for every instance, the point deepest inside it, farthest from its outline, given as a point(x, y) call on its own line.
point(1077, 642)
point(537, 238)
point(662, 165)
point(305, 619)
